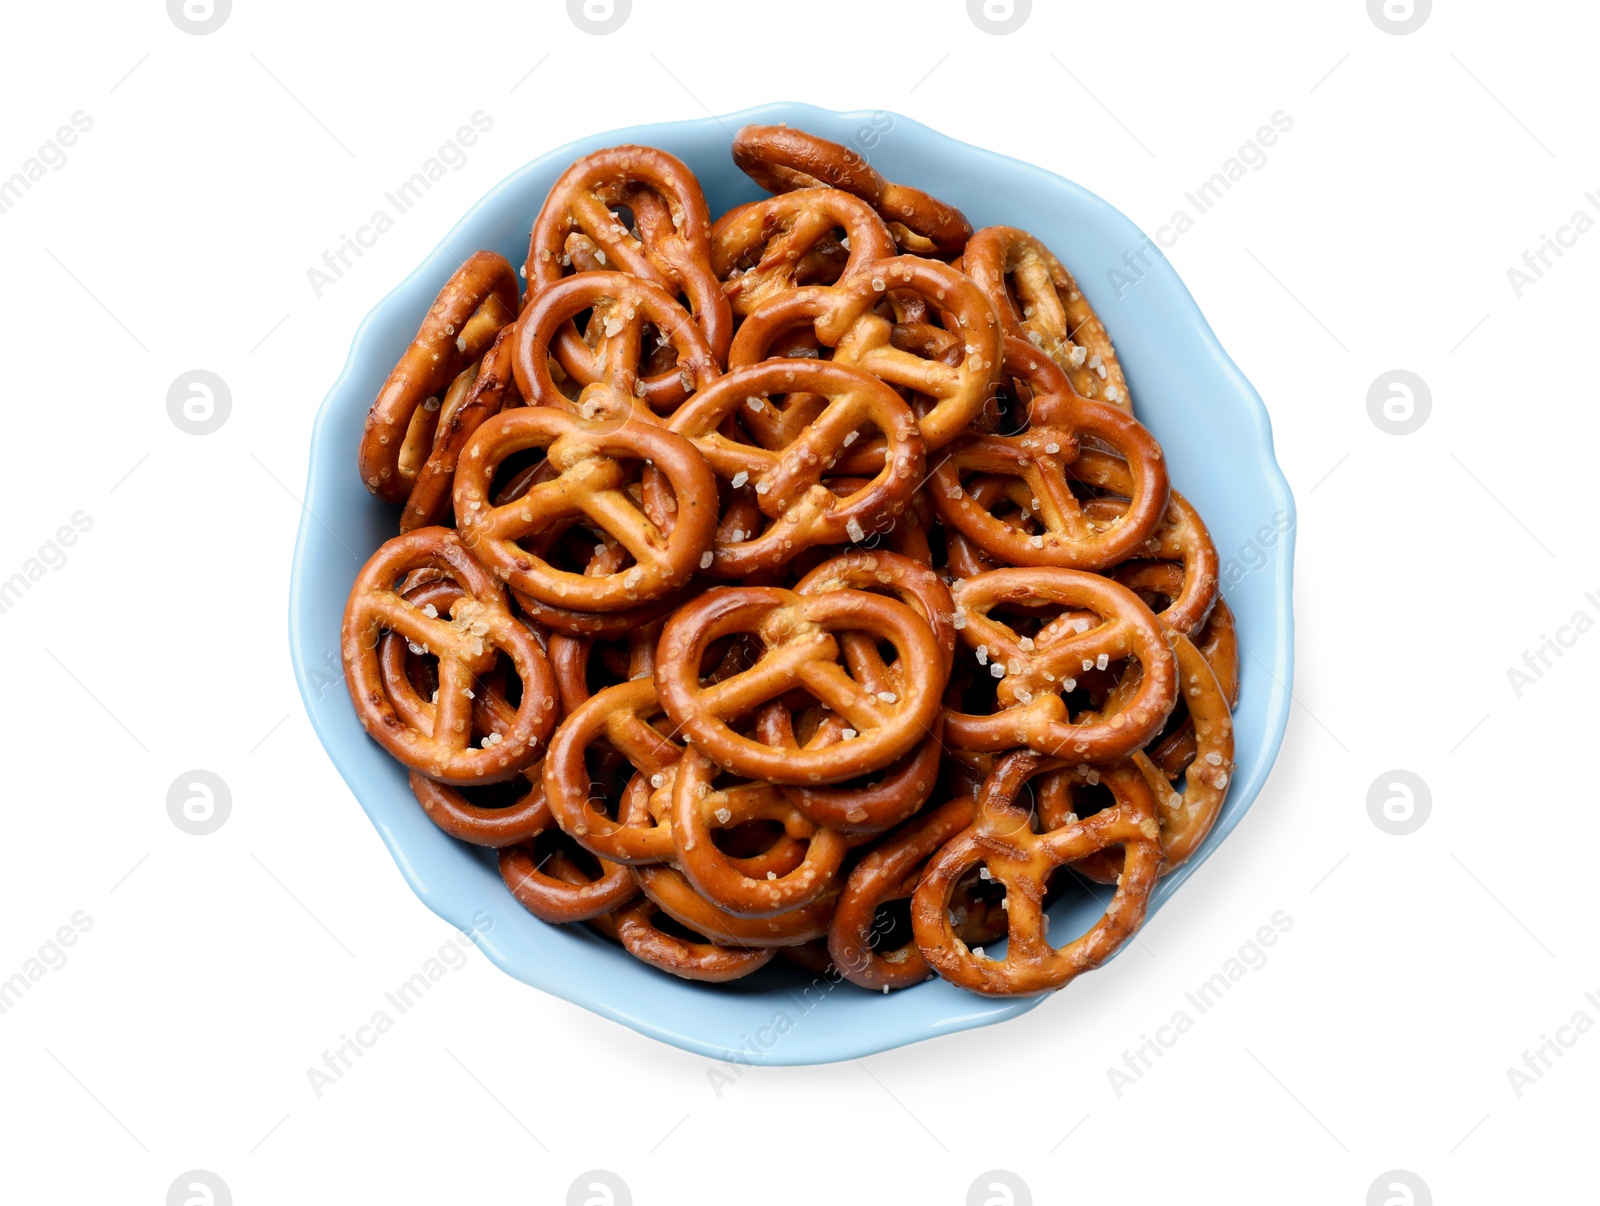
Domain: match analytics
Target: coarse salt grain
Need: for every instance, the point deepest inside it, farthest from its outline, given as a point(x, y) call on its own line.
point(706, 558)
point(740, 478)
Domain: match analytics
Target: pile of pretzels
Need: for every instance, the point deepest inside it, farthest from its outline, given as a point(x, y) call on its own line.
point(799, 583)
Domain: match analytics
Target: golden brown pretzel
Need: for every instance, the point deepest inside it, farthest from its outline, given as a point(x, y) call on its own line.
point(846, 318)
point(407, 676)
point(608, 373)
point(699, 807)
point(767, 247)
point(667, 887)
point(555, 888)
point(1158, 581)
point(620, 716)
point(1039, 301)
point(671, 244)
point(1218, 641)
point(1032, 673)
point(881, 798)
point(590, 485)
point(1186, 818)
point(1002, 840)
point(577, 659)
point(787, 481)
point(799, 649)
point(890, 871)
point(640, 929)
point(463, 411)
point(780, 159)
point(524, 818)
point(1180, 535)
point(1057, 528)
point(478, 629)
point(464, 319)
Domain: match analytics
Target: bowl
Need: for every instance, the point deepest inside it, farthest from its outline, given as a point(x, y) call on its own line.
point(1178, 375)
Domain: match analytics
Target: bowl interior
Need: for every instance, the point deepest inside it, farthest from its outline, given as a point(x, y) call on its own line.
point(1176, 371)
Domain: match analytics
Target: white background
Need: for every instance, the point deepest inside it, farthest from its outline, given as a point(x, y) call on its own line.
point(217, 969)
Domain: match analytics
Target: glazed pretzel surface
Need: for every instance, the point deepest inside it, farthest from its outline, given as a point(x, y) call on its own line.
point(1002, 841)
point(847, 319)
point(766, 248)
point(589, 482)
point(469, 312)
point(467, 641)
point(669, 246)
point(1033, 672)
point(787, 481)
point(1040, 302)
point(780, 159)
point(800, 650)
point(795, 583)
point(608, 370)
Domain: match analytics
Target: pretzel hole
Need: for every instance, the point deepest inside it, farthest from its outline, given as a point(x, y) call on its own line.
point(747, 839)
point(508, 794)
point(891, 926)
point(976, 908)
point(1069, 888)
point(607, 664)
point(1007, 409)
point(608, 774)
point(672, 928)
point(559, 857)
point(729, 655)
point(515, 475)
point(1090, 798)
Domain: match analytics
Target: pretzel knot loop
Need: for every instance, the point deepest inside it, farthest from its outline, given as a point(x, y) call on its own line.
point(950, 387)
point(787, 482)
point(670, 243)
point(800, 648)
point(1033, 673)
point(700, 808)
point(1002, 841)
point(467, 643)
point(588, 484)
point(1039, 301)
point(763, 249)
point(608, 371)
point(475, 303)
point(779, 159)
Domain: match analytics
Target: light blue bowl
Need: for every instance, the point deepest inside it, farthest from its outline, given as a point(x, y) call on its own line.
point(1210, 421)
